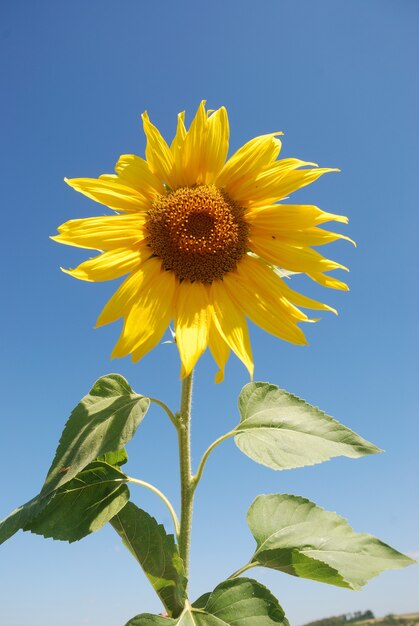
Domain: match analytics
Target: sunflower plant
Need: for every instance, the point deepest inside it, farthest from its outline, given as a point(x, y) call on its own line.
point(205, 242)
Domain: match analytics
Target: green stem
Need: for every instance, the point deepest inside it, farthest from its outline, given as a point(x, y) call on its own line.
point(161, 495)
point(204, 459)
point(186, 480)
point(243, 569)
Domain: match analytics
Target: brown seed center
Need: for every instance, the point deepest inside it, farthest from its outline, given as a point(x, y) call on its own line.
point(200, 225)
point(198, 232)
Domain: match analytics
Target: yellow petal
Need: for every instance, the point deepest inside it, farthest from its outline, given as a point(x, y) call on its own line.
point(176, 148)
point(290, 216)
point(231, 323)
point(192, 322)
point(297, 258)
point(328, 281)
point(135, 172)
point(148, 344)
point(179, 138)
point(275, 184)
point(194, 146)
point(304, 237)
point(247, 163)
point(124, 297)
point(255, 287)
point(112, 194)
point(315, 237)
point(300, 300)
point(103, 233)
point(219, 350)
point(149, 315)
point(110, 265)
point(200, 152)
point(157, 152)
point(267, 288)
point(252, 189)
point(217, 145)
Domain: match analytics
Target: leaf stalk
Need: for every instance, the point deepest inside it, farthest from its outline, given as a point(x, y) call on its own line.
point(165, 408)
point(161, 495)
point(204, 459)
point(243, 569)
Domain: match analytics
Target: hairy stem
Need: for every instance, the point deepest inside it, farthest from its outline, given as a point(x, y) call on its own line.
point(186, 479)
point(161, 495)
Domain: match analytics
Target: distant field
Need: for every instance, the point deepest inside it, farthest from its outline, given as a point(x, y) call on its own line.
point(405, 619)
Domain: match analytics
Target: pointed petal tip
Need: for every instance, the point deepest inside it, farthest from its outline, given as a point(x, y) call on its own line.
point(345, 238)
point(145, 119)
point(219, 377)
point(185, 372)
point(100, 322)
point(74, 273)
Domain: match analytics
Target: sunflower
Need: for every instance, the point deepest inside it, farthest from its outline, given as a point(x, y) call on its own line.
point(204, 242)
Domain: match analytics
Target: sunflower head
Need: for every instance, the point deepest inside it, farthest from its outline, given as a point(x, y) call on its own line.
point(205, 242)
point(198, 232)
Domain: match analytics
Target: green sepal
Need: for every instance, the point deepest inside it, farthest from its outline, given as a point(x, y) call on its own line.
point(282, 431)
point(295, 536)
point(238, 602)
point(103, 422)
point(156, 552)
point(83, 505)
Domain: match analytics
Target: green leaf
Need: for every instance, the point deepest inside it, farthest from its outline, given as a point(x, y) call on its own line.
point(281, 431)
point(22, 516)
point(104, 421)
point(83, 505)
point(238, 602)
point(201, 602)
point(114, 458)
point(98, 428)
point(295, 536)
point(157, 554)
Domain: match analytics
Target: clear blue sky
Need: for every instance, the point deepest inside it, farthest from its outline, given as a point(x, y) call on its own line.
point(339, 79)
